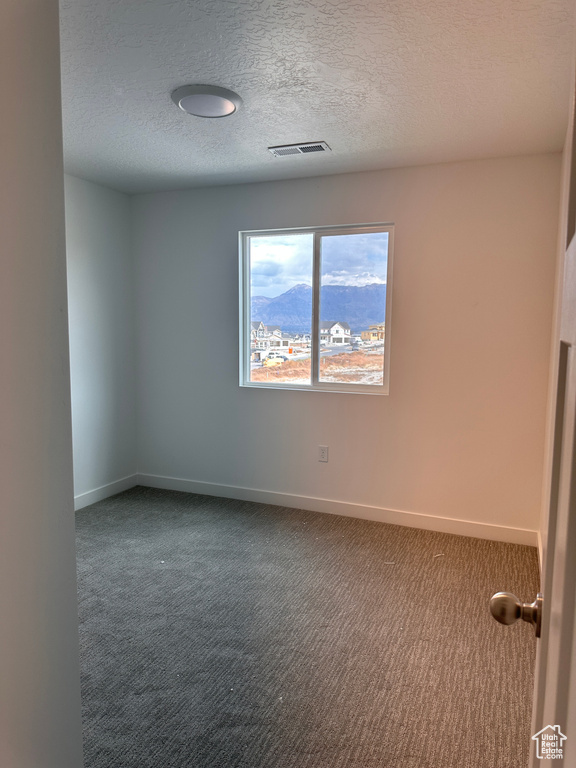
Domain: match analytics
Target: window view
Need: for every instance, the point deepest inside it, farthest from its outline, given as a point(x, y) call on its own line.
point(314, 308)
point(281, 308)
point(353, 307)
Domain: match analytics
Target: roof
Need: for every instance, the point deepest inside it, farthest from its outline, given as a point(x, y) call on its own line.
point(326, 325)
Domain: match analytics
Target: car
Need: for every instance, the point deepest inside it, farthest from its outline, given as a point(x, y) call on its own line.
point(276, 356)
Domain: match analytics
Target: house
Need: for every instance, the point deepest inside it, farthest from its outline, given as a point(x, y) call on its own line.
point(374, 333)
point(267, 336)
point(148, 268)
point(275, 337)
point(257, 330)
point(334, 332)
point(258, 337)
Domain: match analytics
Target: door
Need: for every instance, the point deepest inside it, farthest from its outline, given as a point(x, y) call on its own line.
point(555, 688)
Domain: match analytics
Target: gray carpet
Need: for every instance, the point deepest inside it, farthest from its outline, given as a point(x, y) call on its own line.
point(229, 634)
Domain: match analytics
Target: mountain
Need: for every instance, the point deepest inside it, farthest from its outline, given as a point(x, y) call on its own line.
point(259, 303)
point(359, 306)
point(291, 310)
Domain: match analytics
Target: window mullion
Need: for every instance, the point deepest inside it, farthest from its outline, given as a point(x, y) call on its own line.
point(315, 344)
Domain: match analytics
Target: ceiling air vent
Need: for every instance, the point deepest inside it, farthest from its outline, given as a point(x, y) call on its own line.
point(299, 149)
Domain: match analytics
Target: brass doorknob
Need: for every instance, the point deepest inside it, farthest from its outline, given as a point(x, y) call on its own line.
point(506, 608)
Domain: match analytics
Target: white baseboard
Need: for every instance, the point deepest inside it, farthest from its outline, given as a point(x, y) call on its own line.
point(91, 497)
point(347, 509)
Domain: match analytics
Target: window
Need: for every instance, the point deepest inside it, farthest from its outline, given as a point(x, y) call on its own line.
point(315, 308)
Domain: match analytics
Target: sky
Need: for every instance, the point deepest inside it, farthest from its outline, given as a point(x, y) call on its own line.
point(279, 262)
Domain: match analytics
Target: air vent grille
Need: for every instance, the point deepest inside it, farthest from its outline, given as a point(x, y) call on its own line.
point(299, 149)
point(313, 148)
point(282, 151)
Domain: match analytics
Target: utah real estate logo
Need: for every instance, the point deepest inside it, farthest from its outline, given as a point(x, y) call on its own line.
point(549, 743)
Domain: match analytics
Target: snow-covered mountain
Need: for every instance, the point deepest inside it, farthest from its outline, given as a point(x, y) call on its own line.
point(359, 306)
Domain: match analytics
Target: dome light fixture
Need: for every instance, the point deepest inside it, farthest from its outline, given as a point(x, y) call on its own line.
point(206, 100)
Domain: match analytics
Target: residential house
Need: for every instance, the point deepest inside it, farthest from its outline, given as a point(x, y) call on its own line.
point(374, 333)
point(334, 332)
point(257, 330)
point(266, 336)
point(275, 337)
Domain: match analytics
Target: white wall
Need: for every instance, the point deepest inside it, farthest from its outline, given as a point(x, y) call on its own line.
point(39, 670)
point(102, 340)
point(461, 435)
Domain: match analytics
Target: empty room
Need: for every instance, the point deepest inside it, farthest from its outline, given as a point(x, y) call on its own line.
point(288, 400)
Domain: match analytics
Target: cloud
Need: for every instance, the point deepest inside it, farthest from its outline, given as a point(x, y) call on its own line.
point(345, 278)
point(269, 268)
point(278, 262)
point(358, 259)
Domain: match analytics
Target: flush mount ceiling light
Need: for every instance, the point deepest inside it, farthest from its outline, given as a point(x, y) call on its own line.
point(206, 100)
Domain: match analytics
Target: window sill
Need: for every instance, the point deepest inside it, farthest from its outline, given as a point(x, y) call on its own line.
point(340, 389)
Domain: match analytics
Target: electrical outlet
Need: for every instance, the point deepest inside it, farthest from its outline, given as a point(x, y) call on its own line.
point(322, 453)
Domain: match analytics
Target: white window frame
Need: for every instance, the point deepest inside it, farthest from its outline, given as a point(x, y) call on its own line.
point(245, 308)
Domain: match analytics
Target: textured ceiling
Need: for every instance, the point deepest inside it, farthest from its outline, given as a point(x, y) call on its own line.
point(388, 83)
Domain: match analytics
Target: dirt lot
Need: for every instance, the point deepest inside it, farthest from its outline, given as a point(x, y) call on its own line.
point(349, 368)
